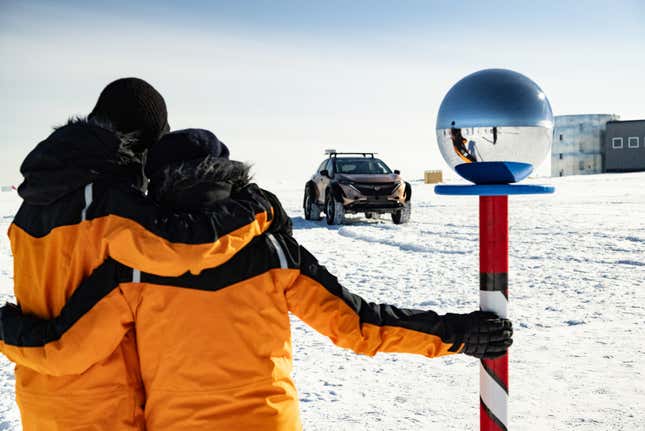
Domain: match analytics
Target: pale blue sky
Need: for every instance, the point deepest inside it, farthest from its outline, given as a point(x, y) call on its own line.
point(281, 81)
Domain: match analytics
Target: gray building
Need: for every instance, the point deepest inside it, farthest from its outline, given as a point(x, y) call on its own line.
point(578, 142)
point(624, 148)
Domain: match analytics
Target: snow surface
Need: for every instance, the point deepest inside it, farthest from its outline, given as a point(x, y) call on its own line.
point(577, 300)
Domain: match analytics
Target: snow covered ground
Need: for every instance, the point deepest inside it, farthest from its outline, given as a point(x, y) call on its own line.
point(577, 300)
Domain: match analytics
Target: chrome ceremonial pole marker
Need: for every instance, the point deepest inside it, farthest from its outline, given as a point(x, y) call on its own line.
point(494, 127)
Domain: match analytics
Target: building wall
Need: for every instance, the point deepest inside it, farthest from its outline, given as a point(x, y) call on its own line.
point(623, 154)
point(578, 144)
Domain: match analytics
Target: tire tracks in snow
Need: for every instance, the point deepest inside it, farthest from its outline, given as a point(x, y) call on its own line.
point(402, 245)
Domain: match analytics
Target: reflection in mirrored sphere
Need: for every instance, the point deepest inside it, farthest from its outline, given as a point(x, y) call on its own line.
point(495, 115)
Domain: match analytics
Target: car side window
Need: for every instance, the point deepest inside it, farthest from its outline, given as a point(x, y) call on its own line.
point(330, 167)
point(322, 165)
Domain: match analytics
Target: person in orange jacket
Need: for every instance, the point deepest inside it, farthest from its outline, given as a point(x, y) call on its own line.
point(83, 203)
point(215, 347)
point(459, 145)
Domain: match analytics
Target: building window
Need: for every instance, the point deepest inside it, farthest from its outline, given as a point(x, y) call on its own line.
point(581, 165)
point(560, 156)
point(582, 126)
point(560, 137)
point(632, 142)
point(616, 143)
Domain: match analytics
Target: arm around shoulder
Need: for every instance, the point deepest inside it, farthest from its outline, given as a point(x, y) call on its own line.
point(89, 328)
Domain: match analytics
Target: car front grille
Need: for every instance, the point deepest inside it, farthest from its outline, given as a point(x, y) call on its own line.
point(375, 189)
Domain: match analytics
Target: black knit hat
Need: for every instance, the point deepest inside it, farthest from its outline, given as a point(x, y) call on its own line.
point(131, 105)
point(183, 146)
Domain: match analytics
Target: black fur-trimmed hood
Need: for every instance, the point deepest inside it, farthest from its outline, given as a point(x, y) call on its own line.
point(78, 153)
point(199, 182)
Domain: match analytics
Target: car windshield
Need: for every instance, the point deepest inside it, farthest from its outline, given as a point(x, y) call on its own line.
point(362, 166)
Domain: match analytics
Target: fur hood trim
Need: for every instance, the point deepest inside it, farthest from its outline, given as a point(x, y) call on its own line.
point(78, 153)
point(128, 149)
point(215, 177)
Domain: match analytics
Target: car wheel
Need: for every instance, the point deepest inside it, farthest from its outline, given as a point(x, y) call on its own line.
point(369, 215)
point(334, 211)
point(403, 215)
point(310, 207)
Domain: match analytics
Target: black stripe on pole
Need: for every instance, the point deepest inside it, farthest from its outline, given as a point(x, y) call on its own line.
point(494, 282)
point(492, 417)
point(494, 376)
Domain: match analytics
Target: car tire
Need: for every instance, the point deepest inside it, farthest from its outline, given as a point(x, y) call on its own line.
point(402, 216)
point(334, 210)
point(369, 215)
point(311, 209)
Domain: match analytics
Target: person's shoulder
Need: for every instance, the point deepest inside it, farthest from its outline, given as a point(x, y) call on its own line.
point(281, 221)
point(251, 193)
point(120, 191)
point(130, 204)
point(181, 225)
point(123, 200)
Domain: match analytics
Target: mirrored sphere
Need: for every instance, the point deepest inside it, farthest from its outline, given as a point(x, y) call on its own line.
point(495, 115)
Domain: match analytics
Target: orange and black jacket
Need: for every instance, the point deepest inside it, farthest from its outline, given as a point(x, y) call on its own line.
point(215, 348)
point(80, 209)
point(459, 145)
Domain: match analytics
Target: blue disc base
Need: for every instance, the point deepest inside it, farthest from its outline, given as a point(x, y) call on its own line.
point(494, 172)
point(493, 190)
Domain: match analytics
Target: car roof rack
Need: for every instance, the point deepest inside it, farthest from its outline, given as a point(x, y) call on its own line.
point(334, 153)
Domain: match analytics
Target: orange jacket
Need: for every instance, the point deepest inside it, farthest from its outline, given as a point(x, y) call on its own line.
point(63, 231)
point(215, 348)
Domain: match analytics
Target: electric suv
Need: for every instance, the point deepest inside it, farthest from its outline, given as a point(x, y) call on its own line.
point(351, 183)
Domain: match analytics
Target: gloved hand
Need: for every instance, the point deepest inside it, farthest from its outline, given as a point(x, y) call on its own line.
point(483, 334)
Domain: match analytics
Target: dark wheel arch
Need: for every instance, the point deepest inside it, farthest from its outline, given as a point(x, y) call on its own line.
point(309, 206)
point(336, 191)
point(312, 189)
point(408, 191)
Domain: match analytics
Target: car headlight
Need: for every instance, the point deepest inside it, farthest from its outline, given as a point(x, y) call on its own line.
point(397, 186)
point(348, 186)
point(351, 186)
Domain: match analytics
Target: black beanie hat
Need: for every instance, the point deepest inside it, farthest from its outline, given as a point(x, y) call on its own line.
point(182, 146)
point(131, 105)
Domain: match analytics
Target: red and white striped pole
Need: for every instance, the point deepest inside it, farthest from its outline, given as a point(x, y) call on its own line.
point(506, 119)
point(493, 296)
point(493, 285)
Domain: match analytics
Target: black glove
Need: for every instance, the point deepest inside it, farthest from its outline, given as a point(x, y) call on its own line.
point(483, 334)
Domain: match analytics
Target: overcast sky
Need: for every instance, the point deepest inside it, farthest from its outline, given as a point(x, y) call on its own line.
point(279, 82)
